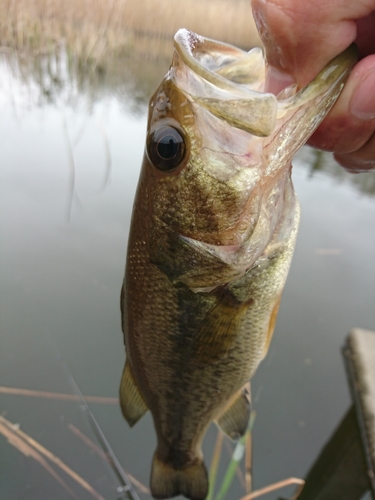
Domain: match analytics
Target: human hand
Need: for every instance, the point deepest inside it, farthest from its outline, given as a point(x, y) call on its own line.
point(300, 38)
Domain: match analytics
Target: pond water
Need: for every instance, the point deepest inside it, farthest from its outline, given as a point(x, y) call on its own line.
point(69, 164)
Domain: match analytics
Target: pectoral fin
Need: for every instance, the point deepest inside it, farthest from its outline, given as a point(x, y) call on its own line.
point(133, 405)
point(235, 419)
point(219, 330)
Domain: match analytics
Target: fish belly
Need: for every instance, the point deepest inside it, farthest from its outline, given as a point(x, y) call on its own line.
point(190, 353)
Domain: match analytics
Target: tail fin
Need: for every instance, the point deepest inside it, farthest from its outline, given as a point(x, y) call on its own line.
point(167, 482)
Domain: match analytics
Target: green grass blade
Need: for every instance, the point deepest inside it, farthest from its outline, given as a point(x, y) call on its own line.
point(234, 462)
point(215, 464)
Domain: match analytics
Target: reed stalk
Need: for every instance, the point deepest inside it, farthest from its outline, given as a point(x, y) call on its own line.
point(92, 30)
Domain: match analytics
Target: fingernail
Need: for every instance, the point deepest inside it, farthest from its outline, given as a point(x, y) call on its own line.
point(362, 104)
point(276, 80)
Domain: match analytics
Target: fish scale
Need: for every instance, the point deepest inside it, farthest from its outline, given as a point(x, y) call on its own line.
point(212, 235)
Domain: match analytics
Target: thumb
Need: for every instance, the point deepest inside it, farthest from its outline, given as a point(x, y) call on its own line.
point(300, 38)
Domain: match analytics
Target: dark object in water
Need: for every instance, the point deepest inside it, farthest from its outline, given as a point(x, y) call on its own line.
point(345, 468)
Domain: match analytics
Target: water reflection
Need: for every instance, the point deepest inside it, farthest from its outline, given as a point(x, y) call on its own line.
point(61, 277)
point(320, 161)
point(57, 79)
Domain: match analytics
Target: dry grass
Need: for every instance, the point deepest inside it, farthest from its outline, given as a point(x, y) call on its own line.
point(96, 29)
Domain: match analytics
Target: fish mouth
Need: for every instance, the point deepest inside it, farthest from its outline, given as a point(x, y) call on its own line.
point(223, 79)
point(229, 82)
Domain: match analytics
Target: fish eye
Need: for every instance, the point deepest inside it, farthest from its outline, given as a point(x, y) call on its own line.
point(166, 148)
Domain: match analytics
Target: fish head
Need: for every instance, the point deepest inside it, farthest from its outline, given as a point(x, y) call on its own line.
point(218, 159)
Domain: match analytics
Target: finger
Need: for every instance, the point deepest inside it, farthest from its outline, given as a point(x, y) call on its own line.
point(300, 38)
point(351, 122)
point(361, 160)
point(365, 39)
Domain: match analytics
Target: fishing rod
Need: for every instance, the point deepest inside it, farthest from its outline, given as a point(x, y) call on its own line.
point(126, 487)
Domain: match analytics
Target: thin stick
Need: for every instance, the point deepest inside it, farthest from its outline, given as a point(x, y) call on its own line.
point(275, 486)
point(37, 446)
point(101, 453)
point(56, 395)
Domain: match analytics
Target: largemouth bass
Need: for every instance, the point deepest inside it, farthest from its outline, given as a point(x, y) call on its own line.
point(214, 224)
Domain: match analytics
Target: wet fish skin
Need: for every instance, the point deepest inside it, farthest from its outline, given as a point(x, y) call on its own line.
point(210, 246)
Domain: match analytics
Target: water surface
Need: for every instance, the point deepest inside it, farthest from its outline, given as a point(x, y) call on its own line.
point(69, 164)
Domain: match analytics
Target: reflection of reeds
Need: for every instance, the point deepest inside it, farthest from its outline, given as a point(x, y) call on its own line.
point(118, 46)
point(93, 29)
point(321, 161)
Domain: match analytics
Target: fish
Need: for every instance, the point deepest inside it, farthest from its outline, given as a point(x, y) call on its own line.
point(212, 235)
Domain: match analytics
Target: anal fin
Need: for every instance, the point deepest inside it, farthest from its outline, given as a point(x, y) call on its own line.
point(235, 418)
point(133, 405)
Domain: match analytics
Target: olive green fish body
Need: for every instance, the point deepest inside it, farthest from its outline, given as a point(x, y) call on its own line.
point(212, 235)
